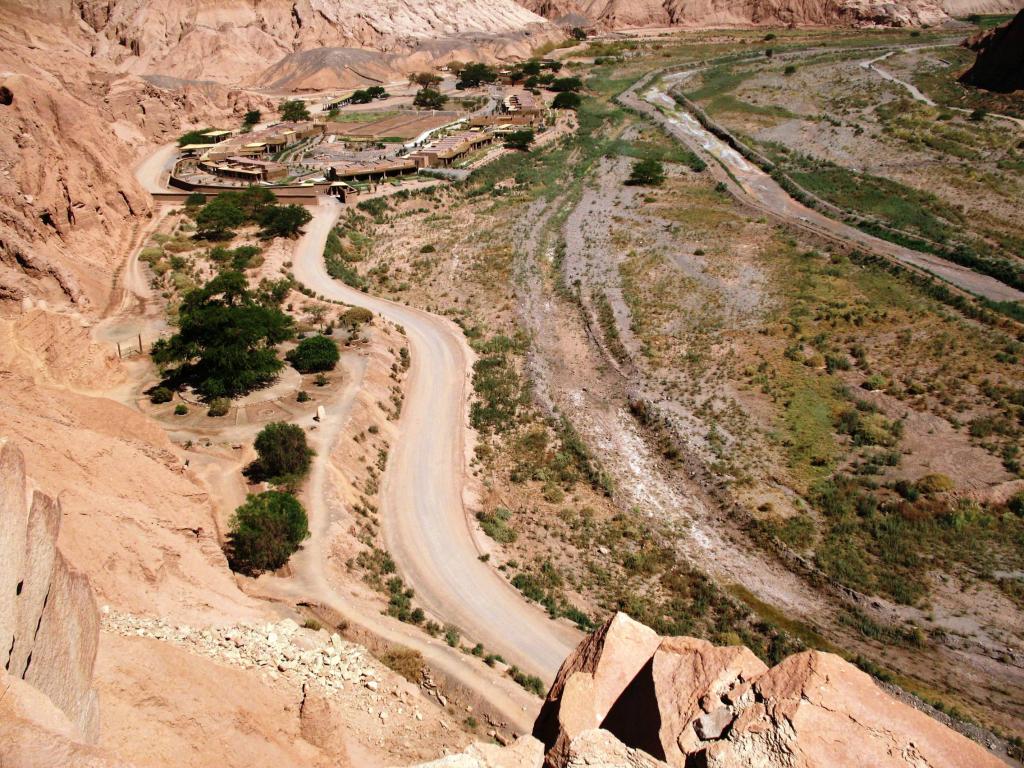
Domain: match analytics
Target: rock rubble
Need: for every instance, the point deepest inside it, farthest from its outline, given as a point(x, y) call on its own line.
point(281, 650)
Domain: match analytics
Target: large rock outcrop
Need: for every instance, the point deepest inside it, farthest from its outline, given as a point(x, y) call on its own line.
point(49, 623)
point(627, 697)
point(999, 65)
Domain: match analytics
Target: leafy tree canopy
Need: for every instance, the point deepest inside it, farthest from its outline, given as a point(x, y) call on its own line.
point(429, 98)
point(567, 100)
point(563, 84)
point(519, 139)
point(252, 117)
point(474, 74)
point(218, 219)
point(283, 220)
point(225, 340)
point(265, 531)
point(294, 111)
point(195, 137)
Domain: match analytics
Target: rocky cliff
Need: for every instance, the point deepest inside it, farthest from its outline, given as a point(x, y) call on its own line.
point(628, 697)
point(612, 14)
point(999, 65)
point(49, 623)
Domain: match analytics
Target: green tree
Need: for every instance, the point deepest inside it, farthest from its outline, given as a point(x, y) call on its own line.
point(360, 97)
point(225, 340)
point(282, 453)
point(519, 139)
point(218, 219)
point(194, 137)
point(428, 98)
point(315, 354)
point(578, 33)
point(252, 117)
point(265, 531)
point(564, 84)
point(567, 100)
point(283, 220)
point(294, 111)
point(531, 67)
point(647, 173)
point(474, 74)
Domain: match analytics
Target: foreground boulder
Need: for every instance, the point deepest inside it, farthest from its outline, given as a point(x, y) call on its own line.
point(627, 697)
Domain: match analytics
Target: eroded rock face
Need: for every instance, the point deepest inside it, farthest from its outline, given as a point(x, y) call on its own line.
point(697, 13)
point(999, 66)
point(627, 697)
point(49, 623)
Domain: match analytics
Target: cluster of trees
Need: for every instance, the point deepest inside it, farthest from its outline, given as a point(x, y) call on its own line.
point(220, 217)
point(367, 95)
point(269, 527)
point(294, 111)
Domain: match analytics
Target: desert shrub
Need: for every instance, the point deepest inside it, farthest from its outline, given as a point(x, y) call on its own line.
point(428, 248)
point(532, 683)
point(302, 397)
point(375, 206)
point(180, 409)
point(265, 531)
point(355, 316)
point(405, 661)
point(160, 395)
point(282, 453)
point(452, 635)
point(219, 406)
point(315, 354)
point(495, 525)
point(934, 483)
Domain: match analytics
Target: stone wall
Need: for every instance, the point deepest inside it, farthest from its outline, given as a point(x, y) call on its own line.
point(49, 622)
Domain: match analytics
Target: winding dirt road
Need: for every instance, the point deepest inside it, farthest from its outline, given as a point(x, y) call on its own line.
point(424, 521)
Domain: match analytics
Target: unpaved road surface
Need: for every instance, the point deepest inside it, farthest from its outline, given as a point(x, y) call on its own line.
point(424, 521)
point(759, 189)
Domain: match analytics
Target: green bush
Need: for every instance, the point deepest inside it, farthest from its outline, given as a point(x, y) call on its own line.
point(282, 453)
point(180, 409)
point(648, 173)
point(315, 354)
point(160, 395)
point(283, 220)
point(355, 316)
point(219, 406)
point(265, 531)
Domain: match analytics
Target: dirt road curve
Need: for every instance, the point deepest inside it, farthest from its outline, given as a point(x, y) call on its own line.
point(424, 523)
point(760, 190)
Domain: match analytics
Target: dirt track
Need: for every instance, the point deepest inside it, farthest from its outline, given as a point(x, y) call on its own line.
point(425, 524)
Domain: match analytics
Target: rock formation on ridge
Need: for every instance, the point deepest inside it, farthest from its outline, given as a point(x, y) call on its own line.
point(628, 698)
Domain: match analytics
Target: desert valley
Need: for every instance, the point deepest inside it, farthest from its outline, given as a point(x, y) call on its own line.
point(494, 384)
